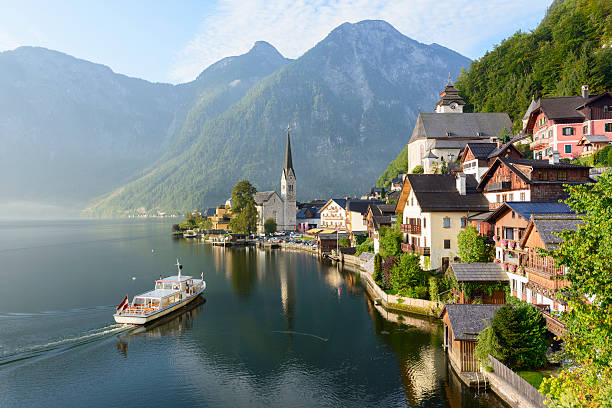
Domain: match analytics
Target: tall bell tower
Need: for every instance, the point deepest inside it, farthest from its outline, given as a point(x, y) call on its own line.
point(288, 193)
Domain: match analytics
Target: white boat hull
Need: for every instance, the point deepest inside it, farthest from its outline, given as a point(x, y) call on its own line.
point(143, 319)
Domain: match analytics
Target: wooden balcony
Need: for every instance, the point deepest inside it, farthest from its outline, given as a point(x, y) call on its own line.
point(411, 229)
point(553, 324)
point(499, 186)
point(407, 247)
point(539, 144)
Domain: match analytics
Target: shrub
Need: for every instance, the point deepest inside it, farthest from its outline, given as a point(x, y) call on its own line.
point(387, 266)
point(365, 246)
point(407, 275)
point(344, 242)
point(472, 246)
point(433, 289)
point(418, 169)
point(390, 242)
point(270, 226)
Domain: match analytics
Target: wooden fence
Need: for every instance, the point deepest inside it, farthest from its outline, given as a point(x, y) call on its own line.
point(518, 383)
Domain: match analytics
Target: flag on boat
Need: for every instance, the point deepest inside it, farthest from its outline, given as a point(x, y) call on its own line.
point(123, 304)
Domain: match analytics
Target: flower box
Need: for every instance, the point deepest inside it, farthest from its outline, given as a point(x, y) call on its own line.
point(511, 244)
point(497, 261)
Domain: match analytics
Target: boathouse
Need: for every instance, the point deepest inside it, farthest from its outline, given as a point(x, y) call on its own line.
point(479, 282)
point(462, 325)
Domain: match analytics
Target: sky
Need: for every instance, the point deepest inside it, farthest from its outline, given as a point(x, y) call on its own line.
point(173, 41)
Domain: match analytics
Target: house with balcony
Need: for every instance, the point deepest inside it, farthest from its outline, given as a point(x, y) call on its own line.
point(509, 223)
point(479, 282)
point(545, 278)
point(510, 179)
point(435, 208)
point(558, 124)
point(476, 158)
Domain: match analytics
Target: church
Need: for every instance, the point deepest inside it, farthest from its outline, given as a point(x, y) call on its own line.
point(442, 135)
point(282, 208)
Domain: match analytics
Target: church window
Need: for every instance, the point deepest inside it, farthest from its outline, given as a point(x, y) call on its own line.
point(446, 222)
point(290, 187)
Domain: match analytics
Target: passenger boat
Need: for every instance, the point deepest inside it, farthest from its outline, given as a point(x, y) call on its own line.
point(170, 293)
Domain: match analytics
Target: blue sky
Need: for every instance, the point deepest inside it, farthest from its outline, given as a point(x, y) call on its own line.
point(173, 41)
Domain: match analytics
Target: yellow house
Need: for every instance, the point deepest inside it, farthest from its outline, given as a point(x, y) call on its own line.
point(435, 208)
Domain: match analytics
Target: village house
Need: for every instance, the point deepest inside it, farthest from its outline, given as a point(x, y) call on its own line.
point(510, 179)
point(543, 275)
point(442, 135)
point(379, 215)
point(462, 325)
point(479, 282)
point(435, 208)
point(308, 218)
point(222, 218)
point(356, 211)
point(329, 242)
point(398, 182)
point(282, 208)
point(476, 158)
point(509, 223)
point(333, 214)
point(558, 124)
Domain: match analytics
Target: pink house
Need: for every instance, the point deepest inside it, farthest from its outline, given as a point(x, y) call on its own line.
point(558, 124)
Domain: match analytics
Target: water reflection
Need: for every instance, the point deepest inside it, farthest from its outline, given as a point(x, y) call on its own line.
point(171, 325)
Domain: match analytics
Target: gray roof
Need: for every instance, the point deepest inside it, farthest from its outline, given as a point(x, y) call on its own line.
point(532, 106)
point(467, 321)
point(366, 256)
point(431, 155)
point(479, 272)
point(597, 138)
point(549, 225)
point(468, 126)
point(438, 192)
point(361, 206)
point(526, 208)
point(481, 150)
point(263, 196)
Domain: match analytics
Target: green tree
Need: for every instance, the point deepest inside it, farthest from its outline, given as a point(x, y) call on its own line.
point(377, 274)
point(244, 212)
point(504, 136)
point(418, 169)
point(434, 289)
point(472, 246)
point(516, 337)
point(586, 253)
point(270, 225)
point(390, 242)
point(407, 276)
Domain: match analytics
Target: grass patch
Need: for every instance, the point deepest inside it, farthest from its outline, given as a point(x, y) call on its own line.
point(533, 377)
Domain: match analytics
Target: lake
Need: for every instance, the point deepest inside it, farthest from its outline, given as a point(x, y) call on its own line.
point(274, 328)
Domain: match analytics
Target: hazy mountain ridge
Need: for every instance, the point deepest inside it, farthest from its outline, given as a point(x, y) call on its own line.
point(351, 101)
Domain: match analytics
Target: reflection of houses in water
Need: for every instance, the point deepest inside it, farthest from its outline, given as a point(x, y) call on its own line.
point(333, 277)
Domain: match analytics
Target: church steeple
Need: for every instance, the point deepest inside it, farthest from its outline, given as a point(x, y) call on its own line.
point(288, 158)
point(450, 101)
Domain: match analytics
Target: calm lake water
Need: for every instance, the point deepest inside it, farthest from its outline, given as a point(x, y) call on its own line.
point(274, 328)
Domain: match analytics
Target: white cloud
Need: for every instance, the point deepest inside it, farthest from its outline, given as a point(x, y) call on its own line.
point(294, 26)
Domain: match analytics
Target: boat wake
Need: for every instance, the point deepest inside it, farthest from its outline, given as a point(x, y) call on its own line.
point(60, 346)
point(300, 334)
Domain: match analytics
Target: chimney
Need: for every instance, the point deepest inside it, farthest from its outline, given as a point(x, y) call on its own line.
point(460, 183)
point(554, 158)
point(585, 91)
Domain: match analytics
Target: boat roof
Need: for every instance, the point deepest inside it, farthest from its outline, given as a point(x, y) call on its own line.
point(175, 278)
point(157, 293)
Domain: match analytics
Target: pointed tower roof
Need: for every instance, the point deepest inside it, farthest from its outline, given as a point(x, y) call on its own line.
point(288, 158)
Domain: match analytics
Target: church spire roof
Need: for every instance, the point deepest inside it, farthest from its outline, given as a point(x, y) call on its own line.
point(288, 158)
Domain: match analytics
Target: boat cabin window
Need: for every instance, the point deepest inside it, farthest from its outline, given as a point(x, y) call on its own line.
point(155, 302)
point(165, 302)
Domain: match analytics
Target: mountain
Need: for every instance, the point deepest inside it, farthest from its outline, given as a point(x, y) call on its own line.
point(571, 47)
point(73, 130)
point(351, 102)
